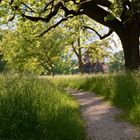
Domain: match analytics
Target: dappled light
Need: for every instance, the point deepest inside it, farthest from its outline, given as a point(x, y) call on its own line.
point(100, 118)
point(50, 47)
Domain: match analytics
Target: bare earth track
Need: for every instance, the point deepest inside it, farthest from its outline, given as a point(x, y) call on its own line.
point(100, 119)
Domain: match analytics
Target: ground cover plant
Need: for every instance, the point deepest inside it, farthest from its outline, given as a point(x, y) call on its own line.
point(122, 89)
point(34, 109)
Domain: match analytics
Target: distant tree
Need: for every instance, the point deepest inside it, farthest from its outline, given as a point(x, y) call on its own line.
point(75, 39)
point(117, 63)
point(50, 52)
point(23, 51)
point(79, 40)
point(100, 50)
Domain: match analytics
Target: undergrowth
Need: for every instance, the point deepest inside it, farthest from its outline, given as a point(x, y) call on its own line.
point(35, 109)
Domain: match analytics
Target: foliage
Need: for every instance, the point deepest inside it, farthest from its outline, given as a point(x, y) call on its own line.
point(26, 52)
point(120, 7)
point(100, 50)
point(51, 53)
point(82, 40)
point(34, 108)
point(117, 63)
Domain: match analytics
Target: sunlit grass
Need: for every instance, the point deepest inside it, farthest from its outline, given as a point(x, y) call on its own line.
point(35, 109)
point(122, 89)
point(39, 108)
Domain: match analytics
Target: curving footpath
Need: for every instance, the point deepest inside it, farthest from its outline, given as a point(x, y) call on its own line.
point(100, 118)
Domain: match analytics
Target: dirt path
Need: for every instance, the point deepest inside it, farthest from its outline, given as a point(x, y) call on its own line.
point(100, 119)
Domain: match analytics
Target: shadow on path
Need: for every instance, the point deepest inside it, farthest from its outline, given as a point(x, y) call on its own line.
point(100, 118)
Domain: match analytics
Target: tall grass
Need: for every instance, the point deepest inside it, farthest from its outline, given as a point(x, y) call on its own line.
point(35, 109)
point(122, 89)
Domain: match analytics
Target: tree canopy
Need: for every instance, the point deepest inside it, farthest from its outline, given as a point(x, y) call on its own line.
point(121, 16)
point(24, 52)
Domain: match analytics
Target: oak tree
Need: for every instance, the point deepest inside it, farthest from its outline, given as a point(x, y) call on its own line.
point(121, 16)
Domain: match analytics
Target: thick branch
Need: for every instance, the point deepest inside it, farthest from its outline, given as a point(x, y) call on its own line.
point(11, 18)
point(48, 18)
point(47, 4)
point(55, 25)
point(35, 18)
point(68, 12)
point(75, 50)
point(57, 7)
point(101, 37)
point(99, 14)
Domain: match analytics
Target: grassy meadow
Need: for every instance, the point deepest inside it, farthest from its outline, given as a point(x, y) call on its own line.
point(122, 90)
point(36, 109)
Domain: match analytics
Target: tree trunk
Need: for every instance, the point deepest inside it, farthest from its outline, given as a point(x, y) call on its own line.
point(130, 42)
point(78, 53)
point(80, 57)
point(80, 62)
point(80, 65)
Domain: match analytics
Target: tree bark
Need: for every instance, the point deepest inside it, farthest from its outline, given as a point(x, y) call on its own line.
point(78, 53)
point(130, 43)
point(80, 57)
point(80, 62)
